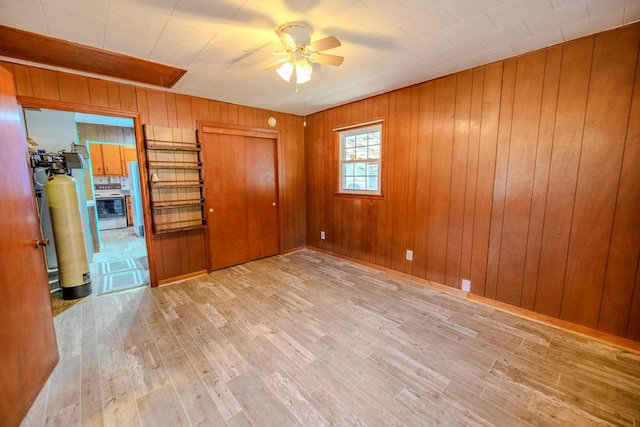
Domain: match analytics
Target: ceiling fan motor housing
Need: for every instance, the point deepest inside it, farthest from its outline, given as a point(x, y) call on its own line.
point(300, 33)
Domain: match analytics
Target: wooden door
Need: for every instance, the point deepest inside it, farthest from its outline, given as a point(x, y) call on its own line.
point(241, 198)
point(28, 349)
point(262, 212)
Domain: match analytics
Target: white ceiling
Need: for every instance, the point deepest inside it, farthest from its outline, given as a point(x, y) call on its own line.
point(387, 44)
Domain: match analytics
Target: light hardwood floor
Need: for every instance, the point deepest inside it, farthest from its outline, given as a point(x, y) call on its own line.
point(310, 340)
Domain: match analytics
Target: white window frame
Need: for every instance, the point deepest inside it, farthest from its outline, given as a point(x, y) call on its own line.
point(343, 134)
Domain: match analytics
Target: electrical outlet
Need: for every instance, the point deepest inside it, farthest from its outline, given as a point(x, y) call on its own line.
point(466, 285)
point(322, 235)
point(409, 255)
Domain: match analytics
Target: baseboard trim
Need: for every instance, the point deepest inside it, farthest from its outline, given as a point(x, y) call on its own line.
point(182, 278)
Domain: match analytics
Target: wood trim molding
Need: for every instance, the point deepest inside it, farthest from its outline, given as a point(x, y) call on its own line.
point(182, 278)
point(27, 101)
point(47, 50)
point(238, 130)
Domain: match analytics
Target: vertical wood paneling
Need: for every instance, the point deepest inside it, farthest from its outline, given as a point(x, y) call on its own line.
point(519, 181)
point(492, 89)
point(500, 178)
point(98, 93)
point(472, 165)
point(22, 76)
point(439, 194)
point(113, 90)
point(411, 174)
point(565, 156)
point(400, 146)
point(74, 88)
point(459, 164)
point(384, 107)
point(610, 90)
point(620, 284)
point(633, 327)
point(44, 84)
point(423, 177)
point(549, 101)
point(520, 175)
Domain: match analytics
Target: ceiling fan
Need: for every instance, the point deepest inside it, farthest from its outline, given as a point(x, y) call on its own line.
point(300, 52)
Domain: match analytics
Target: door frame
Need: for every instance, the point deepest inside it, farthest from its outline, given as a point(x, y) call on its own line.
point(226, 129)
point(25, 101)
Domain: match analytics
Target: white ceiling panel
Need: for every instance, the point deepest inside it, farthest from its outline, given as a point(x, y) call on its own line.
point(387, 44)
point(97, 8)
point(429, 22)
point(27, 16)
point(470, 29)
point(518, 11)
point(564, 16)
point(505, 36)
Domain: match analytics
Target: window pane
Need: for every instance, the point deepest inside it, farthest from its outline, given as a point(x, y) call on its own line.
point(374, 152)
point(360, 169)
point(372, 169)
point(372, 183)
point(360, 183)
point(347, 169)
point(350, 141)
point(361, 140)
point(361, 153)
point(350, 154)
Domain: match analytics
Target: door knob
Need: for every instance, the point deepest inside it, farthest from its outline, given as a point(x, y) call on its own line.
point(273, 204)
point(210, 210)
point(44, 242)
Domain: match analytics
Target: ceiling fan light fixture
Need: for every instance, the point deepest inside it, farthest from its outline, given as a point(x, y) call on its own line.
point(303, 71)
point(285, 71)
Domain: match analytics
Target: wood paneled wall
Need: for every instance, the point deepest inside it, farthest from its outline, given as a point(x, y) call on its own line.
point(522, 176)
point(182, 253)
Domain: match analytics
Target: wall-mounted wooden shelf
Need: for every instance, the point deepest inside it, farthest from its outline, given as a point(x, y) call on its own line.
point(175, 182)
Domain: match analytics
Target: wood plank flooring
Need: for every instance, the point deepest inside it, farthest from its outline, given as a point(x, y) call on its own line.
point(310, 340)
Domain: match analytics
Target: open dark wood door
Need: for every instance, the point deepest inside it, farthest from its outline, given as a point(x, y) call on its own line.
point(241, 198)
point(28, 349)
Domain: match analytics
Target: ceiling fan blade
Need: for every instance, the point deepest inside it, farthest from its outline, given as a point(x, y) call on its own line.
point(324, 58)
point(286, 38)
point(326, 43)
point(274, 64)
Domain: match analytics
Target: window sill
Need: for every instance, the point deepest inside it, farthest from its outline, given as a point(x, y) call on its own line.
point(358, 195)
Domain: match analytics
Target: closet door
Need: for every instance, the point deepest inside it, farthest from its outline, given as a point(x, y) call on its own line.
point(241, 198)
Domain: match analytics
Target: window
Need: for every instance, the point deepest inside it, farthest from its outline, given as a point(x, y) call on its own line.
point(360, 150)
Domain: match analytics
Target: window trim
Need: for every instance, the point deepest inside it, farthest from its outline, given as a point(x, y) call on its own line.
point(339, 138)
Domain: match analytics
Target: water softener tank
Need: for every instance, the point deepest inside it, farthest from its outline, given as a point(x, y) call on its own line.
point(73, 267)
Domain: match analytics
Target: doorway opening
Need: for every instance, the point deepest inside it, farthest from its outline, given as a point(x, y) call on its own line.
point(109, 196)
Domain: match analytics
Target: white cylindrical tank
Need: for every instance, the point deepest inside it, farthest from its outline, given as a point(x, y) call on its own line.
point(73, 267)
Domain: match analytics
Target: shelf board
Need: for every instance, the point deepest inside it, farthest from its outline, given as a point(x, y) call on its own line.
point(152, 164)
point(159, 229)
point(173, 146)
point(176, 184)
point(177, 204)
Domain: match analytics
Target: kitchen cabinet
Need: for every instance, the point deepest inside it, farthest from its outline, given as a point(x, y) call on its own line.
point(110, 159)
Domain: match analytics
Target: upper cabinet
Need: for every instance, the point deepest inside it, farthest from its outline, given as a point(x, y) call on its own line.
point(106, 160)
point(110, 148)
